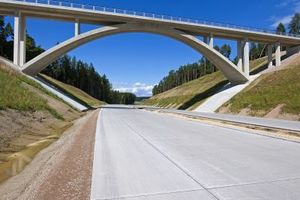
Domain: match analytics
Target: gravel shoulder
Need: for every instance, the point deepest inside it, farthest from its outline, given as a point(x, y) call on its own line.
point(61, 171)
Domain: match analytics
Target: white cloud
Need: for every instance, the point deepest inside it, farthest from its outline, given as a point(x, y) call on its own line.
point(139, 89)
point(285, 20)
point(294, 4)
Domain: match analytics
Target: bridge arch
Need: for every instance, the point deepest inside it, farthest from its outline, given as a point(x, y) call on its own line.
point(230, 70)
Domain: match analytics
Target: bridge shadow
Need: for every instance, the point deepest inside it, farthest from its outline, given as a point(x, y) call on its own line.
point(204, 95)
point(265, 66)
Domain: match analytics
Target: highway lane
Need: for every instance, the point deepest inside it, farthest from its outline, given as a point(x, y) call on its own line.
point(146, 155)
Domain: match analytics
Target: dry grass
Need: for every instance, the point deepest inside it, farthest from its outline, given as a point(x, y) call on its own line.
point(74, 93)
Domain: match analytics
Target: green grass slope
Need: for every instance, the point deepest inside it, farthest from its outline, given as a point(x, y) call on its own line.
point(278, 88)
point(74, 92)
point(190, 95)
point(16, 95)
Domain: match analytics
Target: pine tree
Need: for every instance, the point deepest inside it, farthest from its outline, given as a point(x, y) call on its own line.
point(294, 26)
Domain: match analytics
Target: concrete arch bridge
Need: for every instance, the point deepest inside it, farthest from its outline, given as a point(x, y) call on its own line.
point(115, 21)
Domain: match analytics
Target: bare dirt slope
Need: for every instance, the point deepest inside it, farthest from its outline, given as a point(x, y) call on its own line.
point(61, 171)
point(30, 120)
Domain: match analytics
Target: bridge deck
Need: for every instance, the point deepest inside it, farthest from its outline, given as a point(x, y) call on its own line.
point(107, 16)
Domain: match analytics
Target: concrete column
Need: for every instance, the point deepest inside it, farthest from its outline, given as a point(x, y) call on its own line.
point(246, 55)
point(211, 41)
point(270, 55)
point(278, 55)
point(17, 34)
point(77, 27)
point(19, 39)
point(239, 55)
point(23, 41)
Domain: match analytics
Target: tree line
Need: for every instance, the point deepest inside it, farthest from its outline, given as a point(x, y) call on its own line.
point(189, 72)
point(203, 67)
point(66, 69)
point(82, 75)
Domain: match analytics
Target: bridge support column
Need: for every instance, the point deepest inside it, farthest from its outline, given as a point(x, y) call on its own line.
point(77, 27)
point(246, 55)
point(270, 55)
point(19, 39)
point(239, 55)
point(278, 55)
point(211, 41)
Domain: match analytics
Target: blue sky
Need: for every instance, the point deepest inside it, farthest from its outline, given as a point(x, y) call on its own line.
point(137, 61)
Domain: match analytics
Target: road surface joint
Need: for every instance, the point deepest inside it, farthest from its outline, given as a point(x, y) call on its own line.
point(171, 160)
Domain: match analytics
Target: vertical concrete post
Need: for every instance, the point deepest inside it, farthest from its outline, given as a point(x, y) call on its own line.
point(19, 39)
point(77, 27)
point(270, 55)
point(211, 41)
point(239, 55)
point(278, 55)
point(246, 55)
point(17, 34)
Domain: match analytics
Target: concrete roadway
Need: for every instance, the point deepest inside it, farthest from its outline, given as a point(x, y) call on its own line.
point(146, 155)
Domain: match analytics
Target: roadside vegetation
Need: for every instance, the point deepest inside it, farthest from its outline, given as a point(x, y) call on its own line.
point(30, 119)
point(74, 92)
point(16, 95)
point(278, 88)
point(193, 93)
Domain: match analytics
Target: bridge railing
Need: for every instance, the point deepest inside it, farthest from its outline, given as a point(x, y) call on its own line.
point(150, 15)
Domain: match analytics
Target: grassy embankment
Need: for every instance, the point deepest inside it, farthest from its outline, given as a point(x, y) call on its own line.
point(278, 88)
point(190, 95)
point(74, 93)
point(30, 119)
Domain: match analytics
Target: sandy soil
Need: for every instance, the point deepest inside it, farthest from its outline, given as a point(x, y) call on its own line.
point(61, 171)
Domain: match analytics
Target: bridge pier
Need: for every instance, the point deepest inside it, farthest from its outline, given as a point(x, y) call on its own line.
point(270, 55)
point(277, 55)
point(239, 55)
point(246, 57)
point(209, 40)
point(77, 27)
point(19, 39)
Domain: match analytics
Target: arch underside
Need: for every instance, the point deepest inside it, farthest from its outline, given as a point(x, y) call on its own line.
point(230, 70)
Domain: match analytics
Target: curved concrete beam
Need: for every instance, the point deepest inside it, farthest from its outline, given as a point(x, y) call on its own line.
point(230, 70)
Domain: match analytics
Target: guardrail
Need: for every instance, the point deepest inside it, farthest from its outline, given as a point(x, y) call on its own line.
point(149, 15)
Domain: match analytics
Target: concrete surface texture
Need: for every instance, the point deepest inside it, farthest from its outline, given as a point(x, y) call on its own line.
point(60, 94)
point(225, 94)
point(145, 155)
point(257, 121)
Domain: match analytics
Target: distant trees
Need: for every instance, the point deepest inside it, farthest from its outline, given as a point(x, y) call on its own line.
point(6, 39)
point(82, 75)
point(189, 72)
point(280, 29)
point(294, 25)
